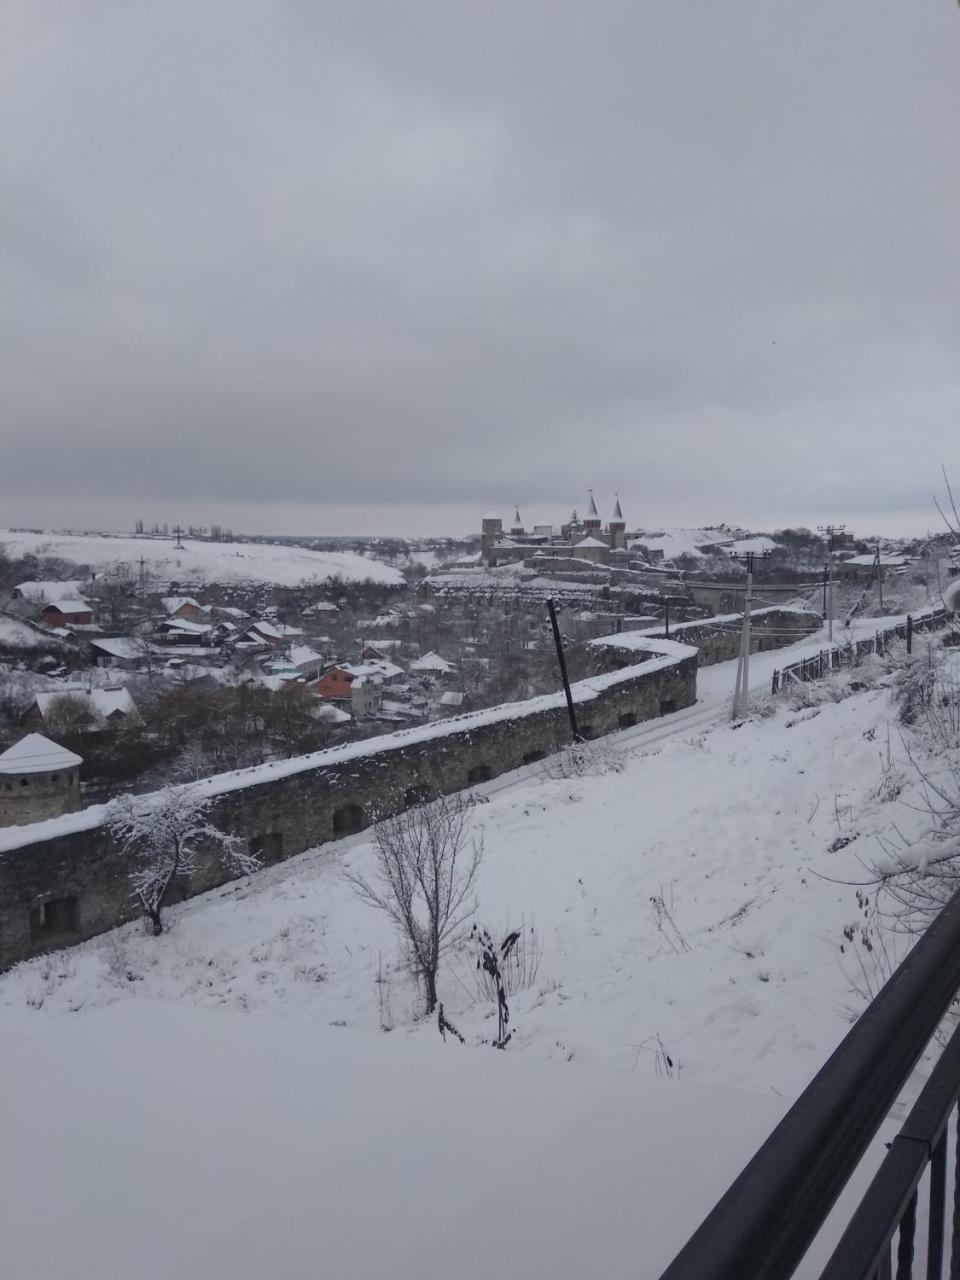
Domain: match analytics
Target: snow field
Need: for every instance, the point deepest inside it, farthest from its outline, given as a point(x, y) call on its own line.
point(204, 562)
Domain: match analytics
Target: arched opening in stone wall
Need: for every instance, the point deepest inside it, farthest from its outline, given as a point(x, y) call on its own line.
point(56, 920)
point(267, 846)
point(416, 795)
point(627, 720)
point(479, 773)
point(347, 820)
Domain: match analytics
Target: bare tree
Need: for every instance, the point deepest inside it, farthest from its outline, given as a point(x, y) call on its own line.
point(426, 867)
point(166, 831)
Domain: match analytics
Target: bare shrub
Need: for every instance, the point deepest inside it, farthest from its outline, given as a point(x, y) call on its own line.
point(165, 832)
point(426, 868)
point(584, 759)
point(914, 877)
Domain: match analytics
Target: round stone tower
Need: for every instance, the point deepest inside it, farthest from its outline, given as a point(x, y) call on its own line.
point(38, 779)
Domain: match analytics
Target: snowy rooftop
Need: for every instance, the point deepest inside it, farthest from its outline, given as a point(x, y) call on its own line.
point(37, 754)
point(67, 604)
point(102, 703)
point(431, 662)
point(118, 647)
point(173, 603)
point(40, 592)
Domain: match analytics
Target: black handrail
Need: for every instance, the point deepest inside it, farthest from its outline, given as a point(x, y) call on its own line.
point(921, 1141)
point(763, 1225)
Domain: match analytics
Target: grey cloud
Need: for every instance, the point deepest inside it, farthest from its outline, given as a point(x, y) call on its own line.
point(270, 256)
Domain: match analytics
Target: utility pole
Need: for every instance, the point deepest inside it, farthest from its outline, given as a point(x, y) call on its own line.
point(741, 696)
point(563, 670)
point(880, 577)
point(178, 546)
point(831, 531)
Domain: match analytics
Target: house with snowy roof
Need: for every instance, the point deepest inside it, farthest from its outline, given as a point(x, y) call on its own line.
point(274, 634)
point(181, 631)
point(120, 652)
point(62, 613)
point(432, 667)
point(182, 607)
point(39, 779)
point(95, 710)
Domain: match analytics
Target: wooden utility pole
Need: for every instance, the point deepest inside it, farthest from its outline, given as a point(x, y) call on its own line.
point(880, 577)
point(563, 670)
point(178, 545)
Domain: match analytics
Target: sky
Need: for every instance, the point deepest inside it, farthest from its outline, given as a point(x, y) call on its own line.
point(315, 267)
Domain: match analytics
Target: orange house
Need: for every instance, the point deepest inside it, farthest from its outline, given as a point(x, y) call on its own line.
point(335, 684)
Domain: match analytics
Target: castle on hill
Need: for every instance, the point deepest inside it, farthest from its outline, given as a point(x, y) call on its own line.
point(576, 539)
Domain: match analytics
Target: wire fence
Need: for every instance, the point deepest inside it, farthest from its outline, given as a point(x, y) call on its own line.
point(831, 659)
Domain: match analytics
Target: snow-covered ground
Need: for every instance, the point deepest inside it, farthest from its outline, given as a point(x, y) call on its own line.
point(730, 826)
point(679, 542)
point(17, 635)
point(199, 562)
point(689, 912)
point(150, 1141)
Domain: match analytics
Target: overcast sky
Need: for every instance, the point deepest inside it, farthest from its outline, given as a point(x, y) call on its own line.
point(345, 267)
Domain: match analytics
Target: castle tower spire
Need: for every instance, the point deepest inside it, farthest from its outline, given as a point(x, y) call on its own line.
point(592, 521)
point(617, 526)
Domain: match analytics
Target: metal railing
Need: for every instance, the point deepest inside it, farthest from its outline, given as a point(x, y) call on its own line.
point(765, 1222)
point(820, 664)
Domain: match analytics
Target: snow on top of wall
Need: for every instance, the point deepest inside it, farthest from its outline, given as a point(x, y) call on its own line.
point(222, 562)
point(666, 654)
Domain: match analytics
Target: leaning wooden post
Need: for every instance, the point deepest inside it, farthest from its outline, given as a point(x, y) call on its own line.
point(909, 633)
point(563, 670)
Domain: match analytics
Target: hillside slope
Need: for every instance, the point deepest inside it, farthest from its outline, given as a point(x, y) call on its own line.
point(203, 562)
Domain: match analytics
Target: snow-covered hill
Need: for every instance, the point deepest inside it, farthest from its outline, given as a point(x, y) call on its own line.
point(203, 562)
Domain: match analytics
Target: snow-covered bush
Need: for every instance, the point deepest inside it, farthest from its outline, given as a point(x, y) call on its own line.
point(165, 832)
point(915, 876)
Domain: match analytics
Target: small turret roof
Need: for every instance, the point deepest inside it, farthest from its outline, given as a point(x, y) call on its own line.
point(517, 522)
point(592, 512)
point(37, 754)
point(617, 513)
